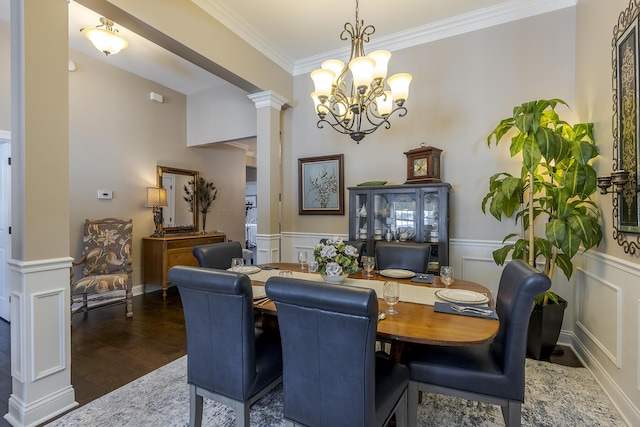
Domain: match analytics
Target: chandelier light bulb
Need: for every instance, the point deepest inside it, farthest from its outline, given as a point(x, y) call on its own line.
point(381, 58)
point(362, 72)
point(334, 65)
point(384, 103)
point(399, 84)
point(323, 80)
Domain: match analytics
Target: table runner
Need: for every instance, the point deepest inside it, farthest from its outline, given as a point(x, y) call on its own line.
point(408, 293)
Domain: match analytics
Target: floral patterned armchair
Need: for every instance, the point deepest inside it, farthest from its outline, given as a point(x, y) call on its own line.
point(106, 263)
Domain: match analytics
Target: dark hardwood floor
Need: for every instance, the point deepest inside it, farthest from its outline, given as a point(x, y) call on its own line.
point(109, 350)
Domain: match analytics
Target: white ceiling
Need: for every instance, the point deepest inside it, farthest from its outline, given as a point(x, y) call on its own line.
point(299, 34)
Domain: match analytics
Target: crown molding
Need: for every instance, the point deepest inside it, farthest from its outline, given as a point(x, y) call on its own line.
point(477, 20)
point(509, 11)
point(237, 24)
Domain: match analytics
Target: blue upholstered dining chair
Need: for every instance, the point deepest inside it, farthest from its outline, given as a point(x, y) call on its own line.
point(228, 360)
point(217, 255)
point(332, 375)
point(403, 255)
point(493, 372)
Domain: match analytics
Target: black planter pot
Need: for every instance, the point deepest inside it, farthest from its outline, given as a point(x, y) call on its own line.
point(544, 329)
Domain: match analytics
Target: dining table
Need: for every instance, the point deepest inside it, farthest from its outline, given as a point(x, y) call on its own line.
point(416, 322)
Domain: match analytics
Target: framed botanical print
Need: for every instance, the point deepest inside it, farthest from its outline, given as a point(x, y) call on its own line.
point(321, 185)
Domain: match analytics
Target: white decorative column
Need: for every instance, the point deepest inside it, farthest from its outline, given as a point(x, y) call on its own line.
point(269, 104)
point(39, 268)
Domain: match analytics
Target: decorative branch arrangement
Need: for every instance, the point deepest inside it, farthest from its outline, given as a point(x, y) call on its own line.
point(204, 193)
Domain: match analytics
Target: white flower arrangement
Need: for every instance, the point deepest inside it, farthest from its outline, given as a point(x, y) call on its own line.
point(336, 258)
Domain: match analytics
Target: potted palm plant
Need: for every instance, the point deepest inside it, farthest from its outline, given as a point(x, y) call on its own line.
point(553, 192)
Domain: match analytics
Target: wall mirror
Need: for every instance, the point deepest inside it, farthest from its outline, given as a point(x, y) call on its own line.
point(178, 216)
point(626, 127)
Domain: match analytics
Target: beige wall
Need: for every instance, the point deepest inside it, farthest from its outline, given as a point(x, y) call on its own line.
point(118, 137)
point(462, 87)
point(5, 79)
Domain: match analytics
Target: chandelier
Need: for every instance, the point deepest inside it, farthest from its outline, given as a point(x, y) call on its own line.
point(360, 106)
point(106, 40)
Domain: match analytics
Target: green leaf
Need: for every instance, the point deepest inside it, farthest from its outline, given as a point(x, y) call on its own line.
point(583, 151)
point(500, 255)
point(531, 155)
point(564, 262)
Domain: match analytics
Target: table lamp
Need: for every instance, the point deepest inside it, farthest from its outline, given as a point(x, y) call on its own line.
point(156, 198)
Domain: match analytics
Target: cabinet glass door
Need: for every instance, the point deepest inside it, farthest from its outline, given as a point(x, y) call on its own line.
point(361, 215)
point(398, 214)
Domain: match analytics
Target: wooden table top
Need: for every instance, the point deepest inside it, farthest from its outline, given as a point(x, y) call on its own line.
point(419, 323)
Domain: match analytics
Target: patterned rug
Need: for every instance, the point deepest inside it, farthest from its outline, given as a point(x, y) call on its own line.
point(555, 396)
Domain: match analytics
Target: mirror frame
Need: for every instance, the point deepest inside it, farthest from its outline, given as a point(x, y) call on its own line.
point(161, 170)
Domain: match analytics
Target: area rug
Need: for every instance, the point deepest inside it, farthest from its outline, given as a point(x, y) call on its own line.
point(555, 396)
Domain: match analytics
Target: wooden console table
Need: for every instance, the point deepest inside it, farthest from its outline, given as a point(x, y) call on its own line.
point(159, 254)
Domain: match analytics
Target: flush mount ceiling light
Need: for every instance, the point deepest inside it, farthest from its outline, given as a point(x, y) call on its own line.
point(360, 106)
point(106, 39)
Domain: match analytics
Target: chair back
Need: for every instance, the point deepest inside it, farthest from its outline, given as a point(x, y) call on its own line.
point(217, 255)
point(107, 246)
point(403, 255)
point(519, 285)
point(218, 314)
point(328, 348)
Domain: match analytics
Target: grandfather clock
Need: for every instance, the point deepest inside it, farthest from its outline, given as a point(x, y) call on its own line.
point(423, 165)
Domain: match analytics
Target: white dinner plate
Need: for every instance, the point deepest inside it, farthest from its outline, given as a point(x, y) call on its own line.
point(247, 269)
point(397, 274)
point(259, 292)
point(462, 296)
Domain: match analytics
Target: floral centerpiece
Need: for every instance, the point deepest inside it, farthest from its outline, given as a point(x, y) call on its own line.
point(335, 258)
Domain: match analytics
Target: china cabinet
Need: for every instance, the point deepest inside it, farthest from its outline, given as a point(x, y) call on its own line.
point(417, 213)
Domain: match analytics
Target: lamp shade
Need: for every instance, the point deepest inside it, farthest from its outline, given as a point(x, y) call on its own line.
point(362, 71)
point(385, 103)
point(156, 197)
point(399, 84)
point(334, 65)
point(322, 80)
point(381, 57)
point(105, 39)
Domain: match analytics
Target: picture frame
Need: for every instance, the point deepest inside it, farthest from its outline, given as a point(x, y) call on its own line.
point(627, 123)
point(321, 185)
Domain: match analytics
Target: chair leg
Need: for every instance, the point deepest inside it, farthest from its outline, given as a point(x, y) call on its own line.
point(512, 414)
point(129, 302)
point(85, 304)
point(401, 411)
point(242, 410)
point(412, 404)
point(195, 407)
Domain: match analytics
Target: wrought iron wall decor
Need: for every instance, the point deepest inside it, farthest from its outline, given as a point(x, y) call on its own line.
point(626, 129)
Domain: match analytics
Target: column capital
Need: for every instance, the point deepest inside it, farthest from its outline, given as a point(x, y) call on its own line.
point(268, 98)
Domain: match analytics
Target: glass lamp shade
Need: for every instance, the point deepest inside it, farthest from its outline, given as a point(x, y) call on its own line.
point(334, 65)
point(316, 101)
point(322, 80)
point(156, 197)
point(381, 58)
point(399, 84)
point(385, 103)
point(362, 71)
point(106, 41)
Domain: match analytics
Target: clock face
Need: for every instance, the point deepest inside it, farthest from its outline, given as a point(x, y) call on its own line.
point(419, 167)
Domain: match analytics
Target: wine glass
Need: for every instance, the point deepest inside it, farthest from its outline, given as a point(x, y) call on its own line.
point(237, 264)
point(368, 263)
point(391, 295)
point(446, 275)
point(302, 259)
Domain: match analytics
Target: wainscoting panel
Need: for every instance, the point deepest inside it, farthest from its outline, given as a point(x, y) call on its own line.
point(595, 296)
point(48, 337)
